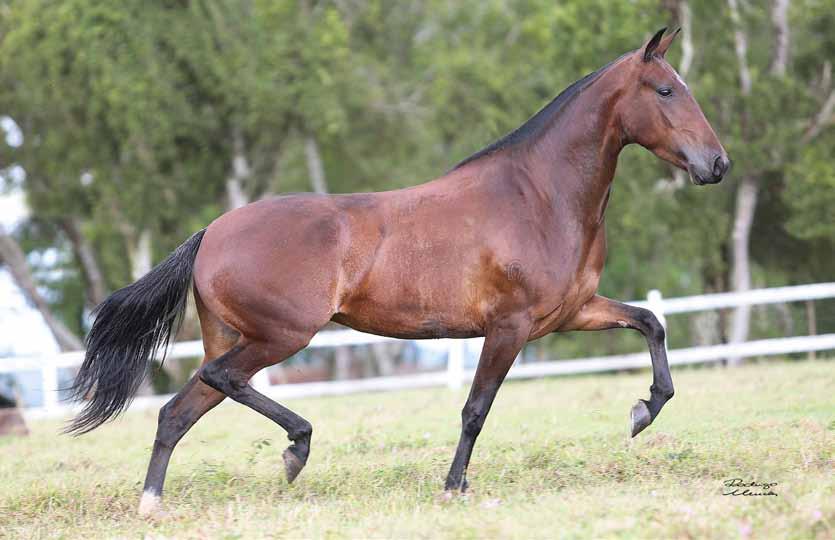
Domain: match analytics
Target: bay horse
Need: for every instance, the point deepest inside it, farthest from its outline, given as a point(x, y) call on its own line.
point(508, 245)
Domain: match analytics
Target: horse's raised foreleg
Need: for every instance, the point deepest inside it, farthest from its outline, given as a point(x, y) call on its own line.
point(503, 342)
point(600, 313)
point(230, 375)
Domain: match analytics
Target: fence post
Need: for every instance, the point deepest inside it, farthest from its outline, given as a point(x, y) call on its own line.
point(455, 363)
point(655, 303)
point(49, 386)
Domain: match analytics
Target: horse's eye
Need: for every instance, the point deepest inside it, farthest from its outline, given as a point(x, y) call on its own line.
point(665, 91)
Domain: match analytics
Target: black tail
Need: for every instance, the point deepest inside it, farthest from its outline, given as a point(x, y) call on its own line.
point(131, 326)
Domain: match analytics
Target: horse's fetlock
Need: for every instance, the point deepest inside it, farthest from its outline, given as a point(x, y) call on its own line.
point(302, 433)
point(664, 393)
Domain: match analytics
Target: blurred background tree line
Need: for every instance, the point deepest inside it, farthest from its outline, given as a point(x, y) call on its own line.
point(143, 121)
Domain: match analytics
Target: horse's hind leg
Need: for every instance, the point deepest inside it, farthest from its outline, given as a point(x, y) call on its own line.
point(178, 415)
point(600, 313)
point(230, 375)
point(175, 418)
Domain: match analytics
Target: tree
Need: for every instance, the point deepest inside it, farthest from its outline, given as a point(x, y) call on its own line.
point(143, 121)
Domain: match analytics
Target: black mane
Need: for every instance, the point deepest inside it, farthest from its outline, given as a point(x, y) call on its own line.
point(535, 124)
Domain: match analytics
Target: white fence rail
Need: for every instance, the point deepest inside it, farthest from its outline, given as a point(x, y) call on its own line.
point(455, 373)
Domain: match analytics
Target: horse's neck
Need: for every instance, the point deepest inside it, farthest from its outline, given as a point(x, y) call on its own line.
point(576, 155)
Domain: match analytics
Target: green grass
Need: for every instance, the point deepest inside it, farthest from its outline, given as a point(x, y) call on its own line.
point(553, 461)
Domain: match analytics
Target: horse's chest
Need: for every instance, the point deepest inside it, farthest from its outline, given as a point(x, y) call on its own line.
point(572, 281)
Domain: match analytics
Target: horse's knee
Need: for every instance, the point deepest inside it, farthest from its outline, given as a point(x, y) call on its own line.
point(649, 325)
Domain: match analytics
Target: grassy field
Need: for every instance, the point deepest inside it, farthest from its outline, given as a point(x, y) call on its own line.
point(553, 461)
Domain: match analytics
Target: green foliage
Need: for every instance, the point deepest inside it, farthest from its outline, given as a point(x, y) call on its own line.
point(811, 192)
point(132, 113)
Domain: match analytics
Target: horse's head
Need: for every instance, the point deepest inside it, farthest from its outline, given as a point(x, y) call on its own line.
point(660, 114)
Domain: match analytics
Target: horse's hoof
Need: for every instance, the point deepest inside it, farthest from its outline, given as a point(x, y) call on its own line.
point(456, 487)
point(451, 494)
point(293, 465)
point(149, 504)
point(641, 417)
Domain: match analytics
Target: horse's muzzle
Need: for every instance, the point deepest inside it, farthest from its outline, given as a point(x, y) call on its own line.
point(712, 174)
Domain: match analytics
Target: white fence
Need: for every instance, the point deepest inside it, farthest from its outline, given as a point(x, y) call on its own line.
point(455, 373)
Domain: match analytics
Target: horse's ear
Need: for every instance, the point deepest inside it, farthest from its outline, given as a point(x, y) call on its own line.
point(661, 50)
point(650, 47)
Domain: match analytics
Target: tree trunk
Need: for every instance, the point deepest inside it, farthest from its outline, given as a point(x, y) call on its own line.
point(785, 319)
point(741, 48)
point(95, 286)
point(824, 117)
point(140, 255)
point(705, 328)
point(314, 165)
point(685, 19)
point(14, 259)
point(780, 20)
point(746, 204)
point(241, 171)
point(749, 186)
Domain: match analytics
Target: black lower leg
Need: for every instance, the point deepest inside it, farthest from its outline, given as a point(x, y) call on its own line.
point(661, 391)
point(601, 313)
point(503, 342)
point(230, 374)
point(473, 416)
point(175, 418)
point(155, 477)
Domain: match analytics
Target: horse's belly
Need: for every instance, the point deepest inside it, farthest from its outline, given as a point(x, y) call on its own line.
point(417, 286)
point(393, 324)
point(411, 303)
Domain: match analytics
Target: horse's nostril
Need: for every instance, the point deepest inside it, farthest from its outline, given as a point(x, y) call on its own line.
point(720, 166)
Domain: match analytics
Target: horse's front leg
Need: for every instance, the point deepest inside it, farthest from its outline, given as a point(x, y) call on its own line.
point(600, 313)
point(503, 341)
